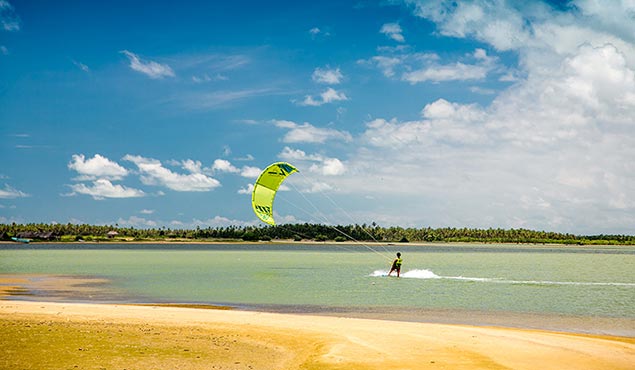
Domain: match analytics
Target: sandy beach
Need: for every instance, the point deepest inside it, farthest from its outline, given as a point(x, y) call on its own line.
point(45, 335)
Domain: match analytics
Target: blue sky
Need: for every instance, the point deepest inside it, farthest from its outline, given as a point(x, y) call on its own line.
point(409, 113)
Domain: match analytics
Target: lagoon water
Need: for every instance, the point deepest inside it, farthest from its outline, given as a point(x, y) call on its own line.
point(574, 281)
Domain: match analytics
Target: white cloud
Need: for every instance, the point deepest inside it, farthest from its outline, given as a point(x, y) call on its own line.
point(4, 50)
point(320, 164)
point(386, 64)
point(250, 172)
point(316, 187)
point(482, 91)
point(150, 68)
point(554, 151)
point(422, 67)
point(454, 72)
point(223, 165)
point(223, 98)
point(245, 158)
point(444, 123)
point(147, 211)
point(81, 66)
point(247, 121)
point(331, 167)
point(207, 78)
point(220, 221)
point(327, 76)
point(501, 25)
point(9, 20)
point(10, 193)
point(137, 222)
point(307, 133)
point(103, 188)
point(192, 166)
point(330, 95)
point(96, 167)
point(292, 155)
point(393, 31)
point(246, 190)
point(317, 32)
point(152, 172)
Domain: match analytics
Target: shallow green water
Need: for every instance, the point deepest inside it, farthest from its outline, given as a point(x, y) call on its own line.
point(567, 280)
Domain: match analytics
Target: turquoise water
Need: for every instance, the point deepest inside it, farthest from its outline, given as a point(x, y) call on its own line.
point(583, 281)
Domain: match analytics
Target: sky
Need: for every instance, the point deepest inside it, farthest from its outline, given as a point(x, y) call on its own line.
point(412, 113)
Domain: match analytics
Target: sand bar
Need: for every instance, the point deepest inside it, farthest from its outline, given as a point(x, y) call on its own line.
point(47, 335)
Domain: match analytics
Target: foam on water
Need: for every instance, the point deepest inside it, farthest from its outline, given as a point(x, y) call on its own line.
point(582, 283)
point(427, 274)
point(411, 274)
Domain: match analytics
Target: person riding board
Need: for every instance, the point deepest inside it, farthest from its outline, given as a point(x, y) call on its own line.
point(396, 265)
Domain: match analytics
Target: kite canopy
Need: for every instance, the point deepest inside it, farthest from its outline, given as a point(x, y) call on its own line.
point(266, 187)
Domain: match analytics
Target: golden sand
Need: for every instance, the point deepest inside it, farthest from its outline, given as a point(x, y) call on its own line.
point(47, 335)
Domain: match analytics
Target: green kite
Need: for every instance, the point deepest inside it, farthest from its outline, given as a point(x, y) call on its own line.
point(266, 187)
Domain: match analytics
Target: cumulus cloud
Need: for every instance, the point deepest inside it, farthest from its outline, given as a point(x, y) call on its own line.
point(248, 189)
point(331, 167)
point(103, 188)
point(149, 68)
point(11, 193)
point(96, 167)
point(250, 172)
point(222, 165)
point(330, 95)
point(192, 166)
point(423, 67)
point(307, 133)
point(386, 64)
point(503, 26)
point(444, 123)
point(319, 164)
point(327, 76)
point(553, 151)
point(152, 172)
point(393, 31)
point(458, 71)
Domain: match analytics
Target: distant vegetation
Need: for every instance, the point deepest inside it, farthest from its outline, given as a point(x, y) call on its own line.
point(299, 232)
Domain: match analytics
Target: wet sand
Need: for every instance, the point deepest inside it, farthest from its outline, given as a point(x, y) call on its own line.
point(49, 335)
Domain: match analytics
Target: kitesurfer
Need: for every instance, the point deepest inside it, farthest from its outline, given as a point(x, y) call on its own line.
point(396, 265)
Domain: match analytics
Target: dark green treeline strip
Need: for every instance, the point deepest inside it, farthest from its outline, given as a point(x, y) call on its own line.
point(317, 232)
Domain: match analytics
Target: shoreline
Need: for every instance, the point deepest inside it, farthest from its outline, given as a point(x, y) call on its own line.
point(84, 335)
point(308, 242)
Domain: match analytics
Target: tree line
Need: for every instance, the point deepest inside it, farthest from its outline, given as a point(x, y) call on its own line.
point(309, 232)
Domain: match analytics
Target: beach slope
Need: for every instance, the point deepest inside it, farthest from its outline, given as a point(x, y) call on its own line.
point(47, 335)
